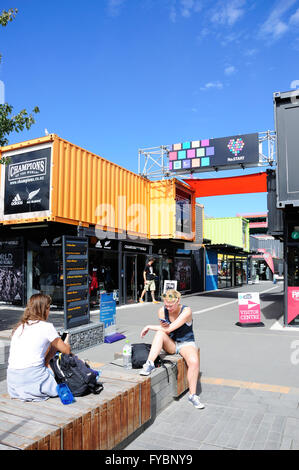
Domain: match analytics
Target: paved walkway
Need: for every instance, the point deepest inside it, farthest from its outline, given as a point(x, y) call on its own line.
point(249, 376)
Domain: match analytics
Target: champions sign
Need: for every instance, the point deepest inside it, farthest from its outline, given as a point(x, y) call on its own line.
point(25, 184)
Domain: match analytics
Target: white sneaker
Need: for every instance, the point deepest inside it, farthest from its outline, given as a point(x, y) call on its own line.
point(147, 368)
point(194, 399)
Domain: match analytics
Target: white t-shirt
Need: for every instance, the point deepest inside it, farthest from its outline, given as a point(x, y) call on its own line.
point(29, 345)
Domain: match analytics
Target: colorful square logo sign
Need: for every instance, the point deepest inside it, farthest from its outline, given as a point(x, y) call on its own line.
point(214, 153)
point(235, 146)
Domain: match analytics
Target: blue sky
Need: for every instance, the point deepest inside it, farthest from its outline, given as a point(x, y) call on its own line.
point(113, 76)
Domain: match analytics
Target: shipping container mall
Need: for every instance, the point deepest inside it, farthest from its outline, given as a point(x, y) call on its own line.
point(52, 188)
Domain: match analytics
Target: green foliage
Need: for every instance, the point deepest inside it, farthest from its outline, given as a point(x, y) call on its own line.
point(7, 15)
point(14, 123)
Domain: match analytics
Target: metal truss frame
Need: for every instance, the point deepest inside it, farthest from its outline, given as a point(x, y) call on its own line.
point(153, 161)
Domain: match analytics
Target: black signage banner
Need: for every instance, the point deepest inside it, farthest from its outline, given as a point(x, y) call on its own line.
point(201, 155)
point(75, 281)
point(12, 271)
point(27, 182)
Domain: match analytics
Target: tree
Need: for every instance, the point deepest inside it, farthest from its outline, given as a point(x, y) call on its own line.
point(10, 122)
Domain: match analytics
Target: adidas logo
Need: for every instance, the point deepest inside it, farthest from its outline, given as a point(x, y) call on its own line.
point(17, 201)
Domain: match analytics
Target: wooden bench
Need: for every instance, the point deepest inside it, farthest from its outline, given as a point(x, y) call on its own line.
point(128, 403)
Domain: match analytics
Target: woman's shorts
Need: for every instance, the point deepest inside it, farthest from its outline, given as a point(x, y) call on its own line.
point(179, 346)
point(150, 285)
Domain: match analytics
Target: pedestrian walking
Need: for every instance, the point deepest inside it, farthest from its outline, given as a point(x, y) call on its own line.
point(149, 281)
point(175, 335)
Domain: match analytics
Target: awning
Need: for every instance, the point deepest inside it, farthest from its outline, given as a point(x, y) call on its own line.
point(254, 183)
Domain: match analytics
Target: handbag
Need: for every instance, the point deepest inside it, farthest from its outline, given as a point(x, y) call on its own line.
point(140, 352)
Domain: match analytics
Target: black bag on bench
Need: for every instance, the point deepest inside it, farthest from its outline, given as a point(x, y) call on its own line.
point(76, 373)
point(140, 352)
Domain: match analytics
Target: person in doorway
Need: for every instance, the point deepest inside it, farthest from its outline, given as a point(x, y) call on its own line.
point(149, 281)
point(34, 342)
point(175, 335)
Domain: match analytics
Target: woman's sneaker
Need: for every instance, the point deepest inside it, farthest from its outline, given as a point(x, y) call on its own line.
point(194, 399)
point(147, 368)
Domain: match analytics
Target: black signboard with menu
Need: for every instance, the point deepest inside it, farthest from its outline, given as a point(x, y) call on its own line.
point(75, 281)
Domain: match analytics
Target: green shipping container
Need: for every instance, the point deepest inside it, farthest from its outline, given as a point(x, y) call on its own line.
point(228, 230)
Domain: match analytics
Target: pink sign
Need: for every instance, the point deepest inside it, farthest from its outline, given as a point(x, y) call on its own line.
point(293, 303)
point(249, 308)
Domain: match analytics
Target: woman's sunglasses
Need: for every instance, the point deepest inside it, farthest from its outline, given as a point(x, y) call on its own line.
point(169, 296)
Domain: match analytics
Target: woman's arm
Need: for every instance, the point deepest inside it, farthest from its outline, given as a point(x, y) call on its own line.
point(185, 316)
point(57, 345)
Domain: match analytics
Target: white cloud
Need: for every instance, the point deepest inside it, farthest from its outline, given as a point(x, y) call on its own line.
point(230, 70)
point(228, 12)
point(295, 17)
point(186, 8)
point(208, 86)
point(276, 25)
point(114, 7)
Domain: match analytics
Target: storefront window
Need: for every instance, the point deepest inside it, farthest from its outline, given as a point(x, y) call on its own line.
point(103, 274)
point(224, 273)
point(45, 269)
point(182, 274)
point(183, 212)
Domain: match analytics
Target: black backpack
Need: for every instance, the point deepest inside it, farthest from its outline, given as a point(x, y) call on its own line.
point(76, 373)
point(140, 352)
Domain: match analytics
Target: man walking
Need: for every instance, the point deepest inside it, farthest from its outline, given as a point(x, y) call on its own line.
point(149, 281)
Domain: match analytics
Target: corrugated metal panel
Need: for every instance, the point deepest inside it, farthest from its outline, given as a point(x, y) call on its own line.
point(228, 230)
point(271, 245)
point(162, 209)
point(86, 189)
point(93, 190)
point(199, 218)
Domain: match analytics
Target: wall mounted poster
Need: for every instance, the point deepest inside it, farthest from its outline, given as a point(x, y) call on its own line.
point(12, 271)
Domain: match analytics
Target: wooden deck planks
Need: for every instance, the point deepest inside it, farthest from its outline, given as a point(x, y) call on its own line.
point(93, 422)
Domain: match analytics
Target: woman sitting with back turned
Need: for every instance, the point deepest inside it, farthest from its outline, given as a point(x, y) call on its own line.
point(175, 335)
point(34, 342)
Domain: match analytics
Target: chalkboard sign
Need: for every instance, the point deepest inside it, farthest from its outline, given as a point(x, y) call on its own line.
point(75, 281)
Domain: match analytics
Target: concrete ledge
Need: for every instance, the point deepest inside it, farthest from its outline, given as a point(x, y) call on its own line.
point(4, 353)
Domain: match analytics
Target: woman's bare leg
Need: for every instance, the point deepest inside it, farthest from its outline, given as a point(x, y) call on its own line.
point(161, 341)
point(190, 354)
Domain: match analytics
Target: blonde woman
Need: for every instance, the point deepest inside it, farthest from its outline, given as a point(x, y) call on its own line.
point(175, 335)
point(34, 342)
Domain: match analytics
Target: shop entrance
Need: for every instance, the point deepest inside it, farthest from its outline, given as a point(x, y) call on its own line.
point(130, 278)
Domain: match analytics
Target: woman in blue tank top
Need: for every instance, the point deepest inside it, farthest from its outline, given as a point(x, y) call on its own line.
point(175, 335)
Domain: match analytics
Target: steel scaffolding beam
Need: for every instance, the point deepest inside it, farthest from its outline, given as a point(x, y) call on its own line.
point(153, 162)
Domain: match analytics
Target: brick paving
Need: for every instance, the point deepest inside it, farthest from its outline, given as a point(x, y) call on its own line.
point(248, 382)
point(234, 418)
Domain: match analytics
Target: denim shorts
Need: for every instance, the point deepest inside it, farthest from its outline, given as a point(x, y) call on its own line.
point(180, 345)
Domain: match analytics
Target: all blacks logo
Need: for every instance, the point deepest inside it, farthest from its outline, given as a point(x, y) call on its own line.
point(28, 169)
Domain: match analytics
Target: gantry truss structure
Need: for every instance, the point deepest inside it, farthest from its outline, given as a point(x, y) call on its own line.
point(153, 162)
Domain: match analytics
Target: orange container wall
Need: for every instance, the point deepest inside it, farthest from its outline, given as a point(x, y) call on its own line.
point(91, 190)
point(163, 210)
point(86, 189)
